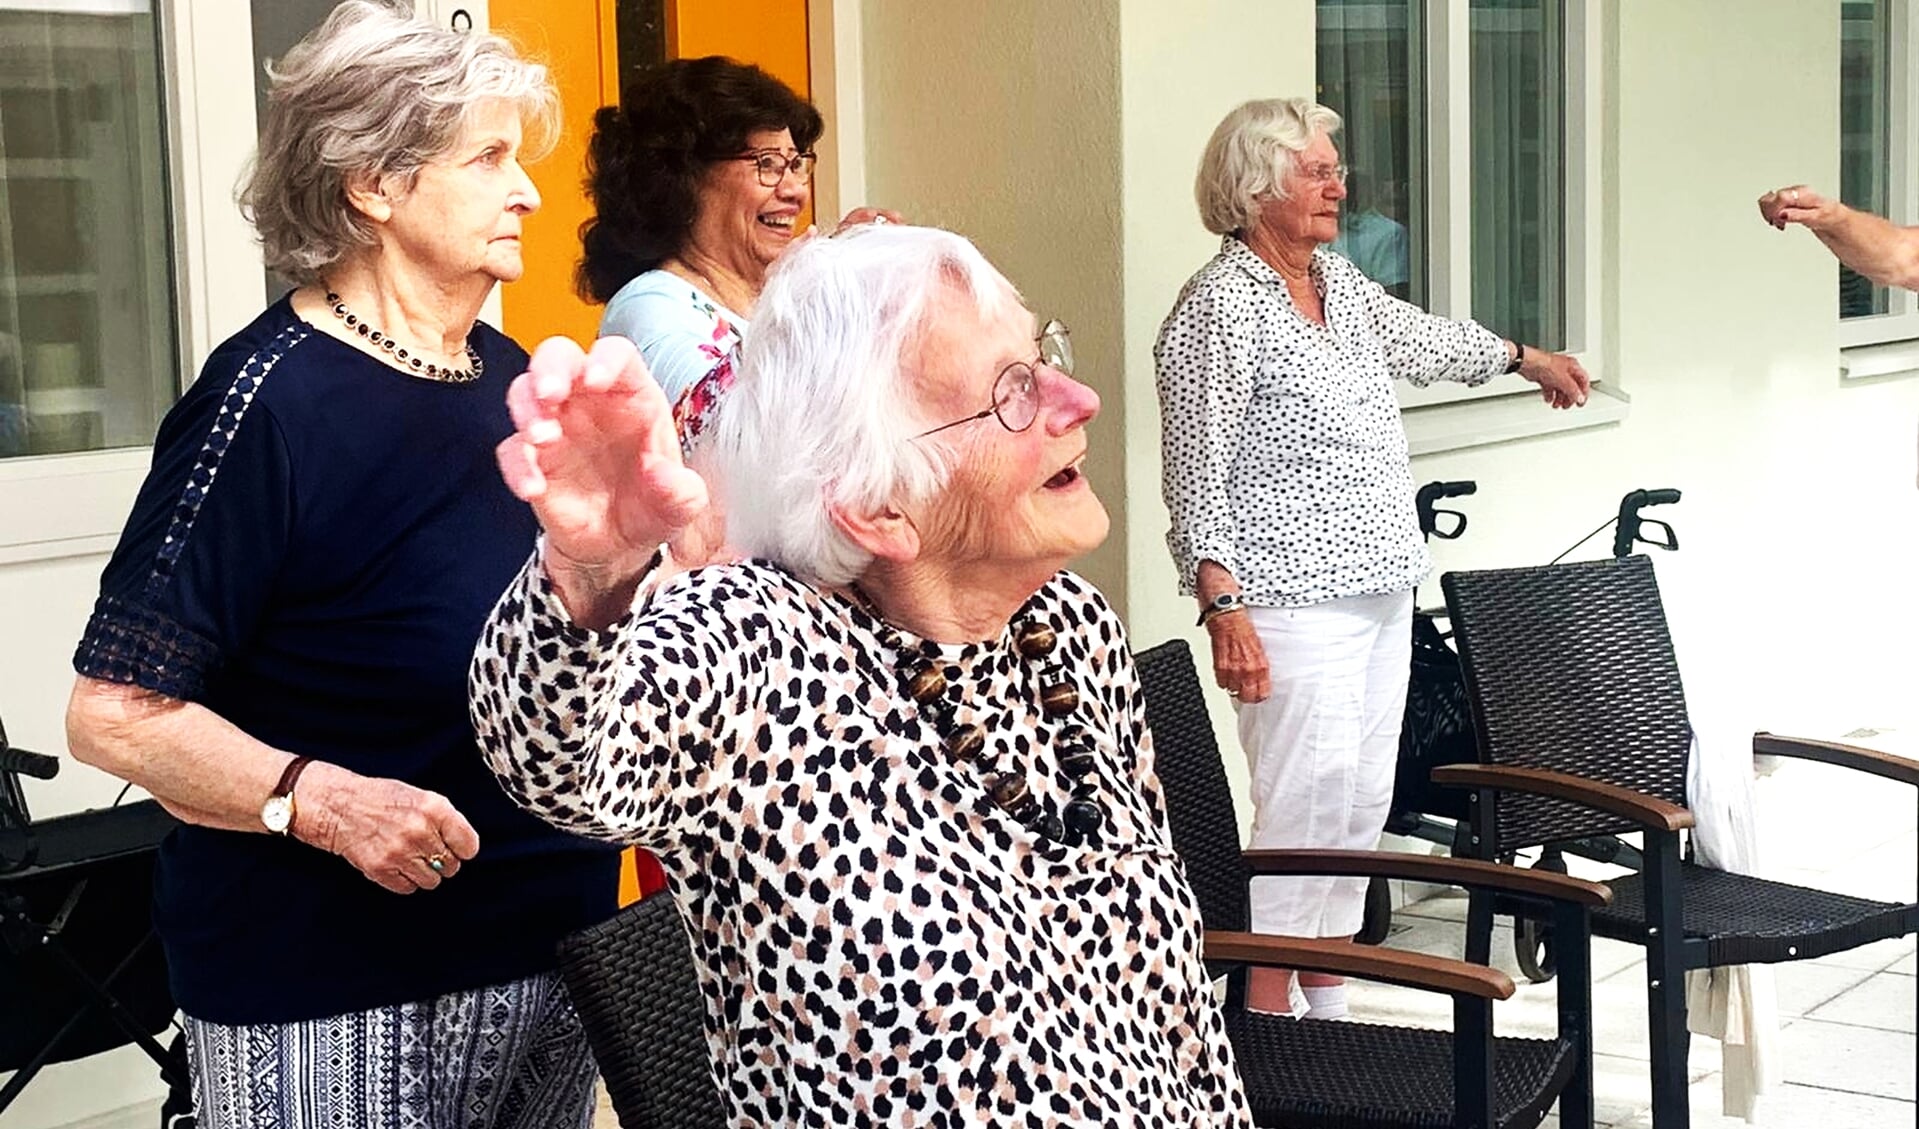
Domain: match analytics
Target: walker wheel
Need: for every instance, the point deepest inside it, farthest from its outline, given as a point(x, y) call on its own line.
point(1378, 921)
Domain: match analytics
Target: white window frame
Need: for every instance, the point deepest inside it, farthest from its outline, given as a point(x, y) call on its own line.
point(1447, 416)
point(62, 506)
point(1879, 344)
point(1449, 187)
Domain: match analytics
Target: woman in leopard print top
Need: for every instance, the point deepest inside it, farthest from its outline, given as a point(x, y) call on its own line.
point(922, 853)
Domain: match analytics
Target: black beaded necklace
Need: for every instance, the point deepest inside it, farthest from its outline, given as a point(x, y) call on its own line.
point(417, 365)
point(923, 680)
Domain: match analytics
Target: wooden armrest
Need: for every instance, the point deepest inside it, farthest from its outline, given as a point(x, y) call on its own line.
point(1343, 958)
point(1845, 756)
point(1425, 868)
point(1647, 811)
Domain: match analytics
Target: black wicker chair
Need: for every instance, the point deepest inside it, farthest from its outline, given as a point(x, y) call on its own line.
point(633, 982)
point(1319, 1075)
point(1583, 730)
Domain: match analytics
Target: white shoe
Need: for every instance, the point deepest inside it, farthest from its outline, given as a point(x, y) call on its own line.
point(1325, 1001)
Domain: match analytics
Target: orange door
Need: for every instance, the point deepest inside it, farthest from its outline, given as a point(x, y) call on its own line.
point(575, 39)
point(768, 33)
point(578, 41)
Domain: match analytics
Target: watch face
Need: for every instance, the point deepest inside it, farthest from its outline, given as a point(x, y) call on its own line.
point(277, 814)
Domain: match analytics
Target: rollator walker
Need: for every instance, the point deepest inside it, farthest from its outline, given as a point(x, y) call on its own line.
point(1438, 729)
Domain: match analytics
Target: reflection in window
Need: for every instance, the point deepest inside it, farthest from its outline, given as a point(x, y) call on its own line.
point(1518, 168)
point(1368, 62)
point(1865, 140)
point(87, 349)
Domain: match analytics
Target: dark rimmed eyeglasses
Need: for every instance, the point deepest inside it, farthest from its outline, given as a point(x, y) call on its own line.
point(773, 165)
point(1016, 391)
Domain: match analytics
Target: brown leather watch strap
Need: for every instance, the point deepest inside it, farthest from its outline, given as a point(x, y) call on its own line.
point(287, 780)
point(291, 776)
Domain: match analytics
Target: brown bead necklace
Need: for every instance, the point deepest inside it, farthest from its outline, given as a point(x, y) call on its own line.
point(923, 680)
point(416, 365)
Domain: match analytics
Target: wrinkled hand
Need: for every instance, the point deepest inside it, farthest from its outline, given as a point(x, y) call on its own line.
point(1239, 662)
point(388, 830)
point(859, 216)
point(1798, 204)
point(594, 453)
point(1562, 380)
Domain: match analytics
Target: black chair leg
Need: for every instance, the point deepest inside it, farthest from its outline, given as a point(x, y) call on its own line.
point(1572, 927)
point(1479, 927)
point(1666, 983)
point(1473, 1063)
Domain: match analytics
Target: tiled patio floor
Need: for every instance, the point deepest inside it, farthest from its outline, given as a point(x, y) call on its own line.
point(1846, 1048)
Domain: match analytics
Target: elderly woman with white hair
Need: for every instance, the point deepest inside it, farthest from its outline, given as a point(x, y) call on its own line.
point(896, 762)
point(1291, 495)
point(360, 926)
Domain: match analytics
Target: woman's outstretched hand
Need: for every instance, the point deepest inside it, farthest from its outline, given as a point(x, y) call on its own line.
point(594, 453)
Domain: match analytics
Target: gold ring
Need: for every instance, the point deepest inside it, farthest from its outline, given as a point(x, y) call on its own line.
point(436, 863)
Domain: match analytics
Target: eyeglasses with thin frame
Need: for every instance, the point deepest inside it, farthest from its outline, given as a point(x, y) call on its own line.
point(1016, 391)
point(773, 165)
point(1326, 174)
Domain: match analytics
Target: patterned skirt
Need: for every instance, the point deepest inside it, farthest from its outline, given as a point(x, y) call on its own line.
point(511, 1056)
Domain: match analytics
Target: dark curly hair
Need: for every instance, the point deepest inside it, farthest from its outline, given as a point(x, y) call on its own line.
point(648, 155)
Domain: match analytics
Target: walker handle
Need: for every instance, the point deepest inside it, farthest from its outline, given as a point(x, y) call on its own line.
point(1429, 514)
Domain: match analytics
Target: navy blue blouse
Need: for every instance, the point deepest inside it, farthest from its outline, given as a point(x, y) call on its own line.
point(311, 557)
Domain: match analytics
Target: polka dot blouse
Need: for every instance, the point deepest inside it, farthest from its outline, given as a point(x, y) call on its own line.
point(1283, 453)
point(878, 942)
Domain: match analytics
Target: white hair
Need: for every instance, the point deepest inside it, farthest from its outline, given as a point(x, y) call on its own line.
point(1250, 154)
point(824, 408)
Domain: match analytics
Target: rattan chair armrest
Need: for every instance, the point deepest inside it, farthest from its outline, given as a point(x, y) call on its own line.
point(1470, 873)
point(1845, 756)
point(1344, 958)
point(1647, 811)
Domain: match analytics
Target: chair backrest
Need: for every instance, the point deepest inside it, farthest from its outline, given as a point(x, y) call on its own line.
point(1199, 802)
point(1571, 668)
point(633, 982)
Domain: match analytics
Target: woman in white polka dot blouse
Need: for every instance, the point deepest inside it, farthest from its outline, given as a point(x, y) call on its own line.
point(1291, 494)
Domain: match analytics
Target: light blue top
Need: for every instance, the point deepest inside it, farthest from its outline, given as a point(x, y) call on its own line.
point(682, 333)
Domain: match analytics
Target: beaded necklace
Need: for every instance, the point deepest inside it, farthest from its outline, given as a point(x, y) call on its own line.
point(416, 365)
point(923, 680)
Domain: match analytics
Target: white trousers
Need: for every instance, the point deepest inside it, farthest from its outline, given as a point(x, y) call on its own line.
point(1322, 748)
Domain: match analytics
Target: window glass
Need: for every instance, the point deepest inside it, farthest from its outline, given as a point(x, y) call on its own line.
point(88, 358)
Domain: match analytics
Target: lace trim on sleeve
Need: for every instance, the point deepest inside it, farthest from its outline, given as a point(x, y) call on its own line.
point(137, 646)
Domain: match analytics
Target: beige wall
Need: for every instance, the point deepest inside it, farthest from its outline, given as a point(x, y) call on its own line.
point(1799, 514)
point(1790, 596)
point(1000, 119)
point(1183, 67)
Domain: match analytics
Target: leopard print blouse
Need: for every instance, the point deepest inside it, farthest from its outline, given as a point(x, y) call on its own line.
point(878, 943)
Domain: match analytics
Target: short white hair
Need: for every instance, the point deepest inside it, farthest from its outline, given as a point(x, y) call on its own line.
point(825, 406)
point(1249, 156)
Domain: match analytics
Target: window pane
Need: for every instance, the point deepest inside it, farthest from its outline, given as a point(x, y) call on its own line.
point(87, 351)
point(1865, 163)
point(1518, 174)
point(277, 26)
point(1368, 59)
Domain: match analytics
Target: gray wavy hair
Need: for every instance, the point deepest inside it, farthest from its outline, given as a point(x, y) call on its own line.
point(373, 91)
point(1249, 155)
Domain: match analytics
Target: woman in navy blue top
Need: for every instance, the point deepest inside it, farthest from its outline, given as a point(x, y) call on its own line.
point(359, 925)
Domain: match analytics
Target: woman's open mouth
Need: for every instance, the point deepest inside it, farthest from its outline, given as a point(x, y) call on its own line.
point(1068, 477)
